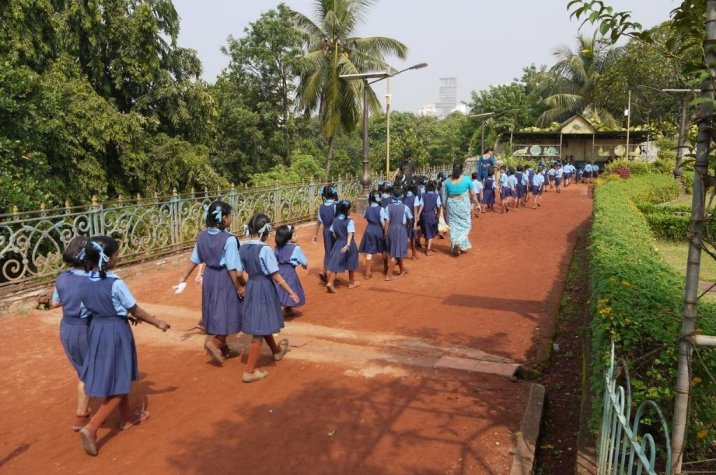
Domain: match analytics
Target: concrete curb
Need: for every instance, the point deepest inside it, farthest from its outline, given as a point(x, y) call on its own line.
point(523, 460)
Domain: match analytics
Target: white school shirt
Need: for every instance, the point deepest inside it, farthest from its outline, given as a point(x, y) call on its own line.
point(588, 168)
point(476, 186)
point(512, 181)
point(538, 179)
point(559, 172)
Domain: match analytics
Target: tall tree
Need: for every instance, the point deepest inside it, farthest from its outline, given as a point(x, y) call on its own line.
point(569, 88)
point(332, 51)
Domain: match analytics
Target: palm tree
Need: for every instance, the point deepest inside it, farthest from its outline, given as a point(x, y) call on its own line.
point(570, 84)
point(332, 51)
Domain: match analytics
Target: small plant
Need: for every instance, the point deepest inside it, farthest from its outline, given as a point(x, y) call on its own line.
point(621, 171)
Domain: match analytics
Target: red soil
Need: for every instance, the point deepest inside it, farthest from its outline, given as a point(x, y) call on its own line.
point(335, 404)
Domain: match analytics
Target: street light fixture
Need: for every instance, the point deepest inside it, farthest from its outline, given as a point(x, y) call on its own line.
point(682, 125)
point(365, 77)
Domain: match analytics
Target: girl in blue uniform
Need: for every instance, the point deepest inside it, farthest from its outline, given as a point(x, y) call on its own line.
point(538, 187)
point(432, 210)
point(111, 362)
point(289, 256)
point(344, 256)
point(373, 241)
point(218, 249)
point(326, 214)
point(395, 220)
point(415, 205)
point(488, 193)
point(74, 326)
point(262, 314)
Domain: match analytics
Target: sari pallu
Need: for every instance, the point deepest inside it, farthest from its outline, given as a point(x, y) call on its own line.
point(458, 211)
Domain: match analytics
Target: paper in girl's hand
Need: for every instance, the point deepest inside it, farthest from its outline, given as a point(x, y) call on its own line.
point(179, 288)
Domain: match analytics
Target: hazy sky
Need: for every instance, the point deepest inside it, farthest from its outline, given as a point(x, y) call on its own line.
point(480, 42)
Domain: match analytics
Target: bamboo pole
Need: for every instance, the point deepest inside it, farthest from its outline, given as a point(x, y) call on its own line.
point(696, 233)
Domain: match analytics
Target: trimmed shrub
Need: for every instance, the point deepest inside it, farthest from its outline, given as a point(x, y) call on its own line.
point(636, 301)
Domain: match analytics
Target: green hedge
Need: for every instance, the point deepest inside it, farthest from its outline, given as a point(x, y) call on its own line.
point(670, 223)
point(636, 301)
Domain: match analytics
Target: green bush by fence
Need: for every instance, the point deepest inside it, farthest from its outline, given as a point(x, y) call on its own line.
point(670, 223)
point(636, 301)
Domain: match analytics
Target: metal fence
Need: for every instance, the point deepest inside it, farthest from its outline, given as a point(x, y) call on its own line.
point(627, 446)
point(32, 243)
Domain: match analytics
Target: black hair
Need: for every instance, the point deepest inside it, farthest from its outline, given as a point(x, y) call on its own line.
point(397, 191)
point(456, 171)
point(474, 175)
point(215, 214)
point(431, 185)
point(510, 172)
point(75, 254)
point(374, 197)
point(519, 168)
point(260, 223)
point(488, 149)
point(412, 186)
point(284, 234)
point(343, 207)
point(99, 250)
point(490, 172)
point(399, 180)
point(407, 153)
point(329, 192)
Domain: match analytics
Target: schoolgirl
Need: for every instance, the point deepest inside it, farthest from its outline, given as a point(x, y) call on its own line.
point(110, 365)
point(386, 193)
point(74, 326)
point(505, 191)
point(432, 210)
point(326, 214)
point(218, 249)
point(344, 255)
point(488, 193)
point(415, 204)
point(395, 220)
point(373, 241)
point(520, 184)
point(538, 187)
point(289, 256)
point(551, 173)
point(262, 314)
point(558, 175)
point(478, 187)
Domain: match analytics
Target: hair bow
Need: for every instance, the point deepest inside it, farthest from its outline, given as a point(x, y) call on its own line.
point(320, 191)
point(206, 212)
point(81, 255)
point(102, 256)
point(266, 228)
point(217, 214)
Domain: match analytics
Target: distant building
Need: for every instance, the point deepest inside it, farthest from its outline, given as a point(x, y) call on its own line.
point(461, 108)
point(428, 111)
point(448, 97)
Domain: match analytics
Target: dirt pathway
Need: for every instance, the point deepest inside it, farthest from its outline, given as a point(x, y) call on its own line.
point(369, 384)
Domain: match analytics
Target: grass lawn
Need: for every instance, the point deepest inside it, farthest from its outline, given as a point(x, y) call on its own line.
point(674, 254)
point(685, 200)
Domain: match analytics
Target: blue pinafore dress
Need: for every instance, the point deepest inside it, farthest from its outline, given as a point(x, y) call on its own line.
point(397, 233)
point(488, 194)
point(287, 269)
point(74, 330)
point(343, 261)
point(220, 304)
point(373, 241)
point(328, 214)
point(262, 314)
point(111, 362)
point(409, 201)
point(429, 217)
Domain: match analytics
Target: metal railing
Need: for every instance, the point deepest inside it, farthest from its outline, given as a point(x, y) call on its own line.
point(32, 243)
point(624, 446)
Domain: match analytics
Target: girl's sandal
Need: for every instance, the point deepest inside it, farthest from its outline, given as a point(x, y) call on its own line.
point(283, 345)
point(429, 252)
point(353, 285)
point(257, 375)
point(331, 288)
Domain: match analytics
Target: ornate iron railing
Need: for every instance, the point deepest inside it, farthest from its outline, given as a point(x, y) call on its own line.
point(624, 446)
point(32, 242)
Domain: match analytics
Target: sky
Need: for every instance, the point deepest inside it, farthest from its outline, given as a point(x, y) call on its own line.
point(479, 42)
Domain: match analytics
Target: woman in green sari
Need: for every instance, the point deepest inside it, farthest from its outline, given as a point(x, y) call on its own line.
point(460, 198)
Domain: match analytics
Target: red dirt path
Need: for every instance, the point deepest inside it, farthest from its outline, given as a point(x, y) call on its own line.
point(347, 398)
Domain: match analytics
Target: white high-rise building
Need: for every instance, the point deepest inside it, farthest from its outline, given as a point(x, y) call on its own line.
point(428, 111)
point(448, 97)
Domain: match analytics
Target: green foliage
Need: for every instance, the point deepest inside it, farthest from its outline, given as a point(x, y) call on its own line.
point(304, 168)
point(636, 300)
point(635, 167)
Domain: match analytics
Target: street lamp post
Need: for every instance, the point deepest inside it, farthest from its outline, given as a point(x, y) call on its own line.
point(375, 76)
point(482, 129)
point(681, 142)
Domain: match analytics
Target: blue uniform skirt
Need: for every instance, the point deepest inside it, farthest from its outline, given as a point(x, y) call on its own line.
point(536, 190)
point(373, 241)
point(288, 272)
point(74, 335)
point(262, 314)
point(111, 362)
